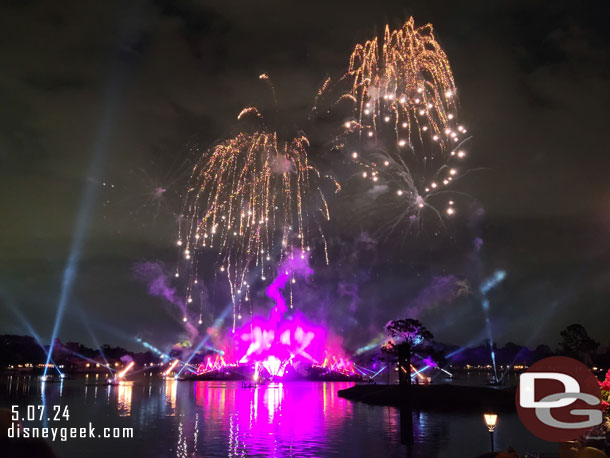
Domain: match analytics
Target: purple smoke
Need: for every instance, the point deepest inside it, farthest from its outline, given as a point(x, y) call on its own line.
point(440, 289)
point(478, 244)
point(296, 263)
point(350, 290)
point(154, 276)
point(428, 361)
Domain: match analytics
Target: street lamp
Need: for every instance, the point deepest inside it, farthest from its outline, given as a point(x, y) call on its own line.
point(491, 419)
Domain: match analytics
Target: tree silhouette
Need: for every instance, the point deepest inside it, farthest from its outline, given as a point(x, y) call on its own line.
point(540, 352)
point(575, 342)
point(387, 358)
point(407, 336)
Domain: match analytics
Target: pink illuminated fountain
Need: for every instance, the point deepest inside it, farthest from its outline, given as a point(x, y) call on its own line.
point(283, 342)
point(212, 364)
point(273, 344)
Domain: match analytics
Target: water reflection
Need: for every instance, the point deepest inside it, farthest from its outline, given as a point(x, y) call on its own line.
point(208, 419)
point(171, 390)
point(272, 420)
point(124, 398)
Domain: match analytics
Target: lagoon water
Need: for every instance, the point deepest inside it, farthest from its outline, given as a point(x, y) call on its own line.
point(222, 419)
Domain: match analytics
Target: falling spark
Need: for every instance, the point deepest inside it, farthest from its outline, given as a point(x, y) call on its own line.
point(246, 195)
point(405, 116)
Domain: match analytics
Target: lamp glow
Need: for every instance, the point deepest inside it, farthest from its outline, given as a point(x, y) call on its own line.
point(491, 420)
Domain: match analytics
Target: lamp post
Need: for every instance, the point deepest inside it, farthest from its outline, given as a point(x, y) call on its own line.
point(491, 419)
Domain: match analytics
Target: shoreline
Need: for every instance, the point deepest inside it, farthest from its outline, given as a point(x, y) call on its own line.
point(434, 397)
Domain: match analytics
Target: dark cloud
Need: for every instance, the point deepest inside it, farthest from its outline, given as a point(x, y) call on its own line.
point(533, 85)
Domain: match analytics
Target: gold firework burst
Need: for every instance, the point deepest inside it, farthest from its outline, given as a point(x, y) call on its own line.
point(247, 194)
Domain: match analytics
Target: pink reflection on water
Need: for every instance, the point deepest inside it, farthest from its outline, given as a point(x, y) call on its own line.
point(257, 419)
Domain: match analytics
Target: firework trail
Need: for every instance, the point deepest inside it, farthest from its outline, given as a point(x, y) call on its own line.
point(252, 198)
point(402, 130)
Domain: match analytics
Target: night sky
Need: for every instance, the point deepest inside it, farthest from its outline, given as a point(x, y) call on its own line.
point(107, 102)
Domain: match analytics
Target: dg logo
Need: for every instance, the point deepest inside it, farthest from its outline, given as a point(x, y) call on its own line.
point(559, 399)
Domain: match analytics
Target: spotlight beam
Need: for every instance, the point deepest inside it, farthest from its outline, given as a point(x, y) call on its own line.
point(85, 210)
point(488, 284)
point(11, 305)
point(204, 341)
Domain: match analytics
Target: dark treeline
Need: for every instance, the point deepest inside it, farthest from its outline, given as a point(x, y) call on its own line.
point(573, 341)
point(20, 350)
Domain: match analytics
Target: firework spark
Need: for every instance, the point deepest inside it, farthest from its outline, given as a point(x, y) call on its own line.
point(249, 199)
point(402, 131)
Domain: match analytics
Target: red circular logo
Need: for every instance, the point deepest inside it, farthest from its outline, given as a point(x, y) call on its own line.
point(559, 399)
